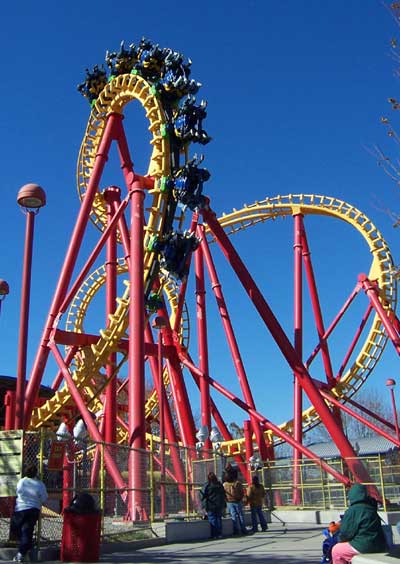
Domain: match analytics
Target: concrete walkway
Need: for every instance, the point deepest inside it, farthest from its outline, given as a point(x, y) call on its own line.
point(301, 544)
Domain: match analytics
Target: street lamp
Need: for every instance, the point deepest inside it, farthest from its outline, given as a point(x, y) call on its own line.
point(159, 323)
point(390, 383)
point(4, 290)
point(31, 198)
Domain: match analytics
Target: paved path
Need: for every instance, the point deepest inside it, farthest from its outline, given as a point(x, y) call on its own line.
point(299, 545)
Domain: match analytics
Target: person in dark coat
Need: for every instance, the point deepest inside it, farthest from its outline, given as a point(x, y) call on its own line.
point(213, 501)
point(360, 528)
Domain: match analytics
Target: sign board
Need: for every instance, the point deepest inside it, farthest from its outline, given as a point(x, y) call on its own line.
point(11, 450)
point(56, 456)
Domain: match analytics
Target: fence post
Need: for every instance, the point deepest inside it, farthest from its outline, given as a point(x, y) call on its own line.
point(41, 457)
point(102, 479)
point(187, 481)
point(343, 486)
point(382, 482)
point(151, 479)
point(321, 473)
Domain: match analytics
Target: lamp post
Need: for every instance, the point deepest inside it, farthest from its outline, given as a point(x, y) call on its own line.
point(31, 198)
point(4, 290)
point(390, 383)
point(159, 323)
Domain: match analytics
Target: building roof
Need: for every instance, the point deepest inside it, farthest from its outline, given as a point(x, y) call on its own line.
point(363, 446)
point(9, 383)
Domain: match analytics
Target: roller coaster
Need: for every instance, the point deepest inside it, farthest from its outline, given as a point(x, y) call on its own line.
point(153, 237)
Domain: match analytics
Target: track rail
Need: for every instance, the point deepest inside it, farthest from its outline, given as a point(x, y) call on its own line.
point(87, 367)
point(381, 270)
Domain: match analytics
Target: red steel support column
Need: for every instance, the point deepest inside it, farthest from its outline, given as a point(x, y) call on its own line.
point(248, 441)
point(9, 404)
point(23, 323)
point(161, 418)
point(67, 360)
point(88, 419)
point(372, 294)
point(184, 413)
point(111, 196)
point(319, 322)
point(395, 417)
point(202, 340)
point(170, 431)
point(125, 238)
point(298, 346)
point(344, 446)
point(69, 263)
point(233, 346)
point(136, 379)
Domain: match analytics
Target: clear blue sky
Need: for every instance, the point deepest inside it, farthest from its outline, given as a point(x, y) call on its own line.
point(295, 93)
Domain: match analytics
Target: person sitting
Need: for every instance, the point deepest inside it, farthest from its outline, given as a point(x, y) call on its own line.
point(331, 537)
point(360, 528)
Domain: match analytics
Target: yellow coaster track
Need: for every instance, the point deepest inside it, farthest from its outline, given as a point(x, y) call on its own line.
point(380, 269)
point(87, 367)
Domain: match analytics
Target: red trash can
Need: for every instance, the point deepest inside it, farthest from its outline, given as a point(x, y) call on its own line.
point(81, 537)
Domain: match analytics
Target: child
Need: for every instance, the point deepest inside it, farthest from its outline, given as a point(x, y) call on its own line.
point(331, 534)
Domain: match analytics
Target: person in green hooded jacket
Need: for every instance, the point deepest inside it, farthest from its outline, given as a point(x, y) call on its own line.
point(360, 529)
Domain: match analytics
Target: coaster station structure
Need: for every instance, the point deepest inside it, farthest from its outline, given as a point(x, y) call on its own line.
point(155, 233)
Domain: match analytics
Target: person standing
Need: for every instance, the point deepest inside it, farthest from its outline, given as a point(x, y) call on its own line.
point(213, 501)
point(256, 496)
point(360, 528)
point(31, 494)
point(234, 492)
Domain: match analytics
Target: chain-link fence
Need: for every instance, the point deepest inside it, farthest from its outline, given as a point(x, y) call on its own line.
point(134, 489)
point(166, 481)
point(317, 489)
